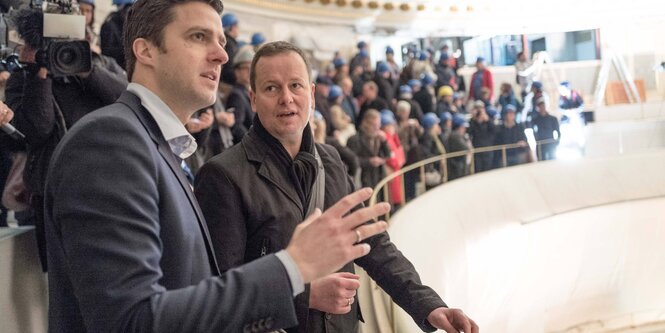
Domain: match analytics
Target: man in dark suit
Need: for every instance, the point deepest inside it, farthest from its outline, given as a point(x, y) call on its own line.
point(128, 247)
point(255, 194)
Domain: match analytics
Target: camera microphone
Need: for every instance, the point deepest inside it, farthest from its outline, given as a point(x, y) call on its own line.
point(12, 131)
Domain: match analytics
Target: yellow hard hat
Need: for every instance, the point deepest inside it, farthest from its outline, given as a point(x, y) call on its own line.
point(445, 91)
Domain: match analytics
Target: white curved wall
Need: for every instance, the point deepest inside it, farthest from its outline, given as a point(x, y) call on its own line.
point(544, 247)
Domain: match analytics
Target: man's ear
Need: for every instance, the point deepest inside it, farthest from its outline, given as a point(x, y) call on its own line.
point(144, 51)
point(252, 99)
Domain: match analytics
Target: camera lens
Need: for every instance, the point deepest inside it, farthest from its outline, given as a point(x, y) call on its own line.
point(69, 57)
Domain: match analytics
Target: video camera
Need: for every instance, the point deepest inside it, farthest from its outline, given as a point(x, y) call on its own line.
point(61, 43)
point(9, 61)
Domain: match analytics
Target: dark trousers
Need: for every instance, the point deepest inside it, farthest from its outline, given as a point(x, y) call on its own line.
point(410, 180)
point(546, 151)
point(483, 161)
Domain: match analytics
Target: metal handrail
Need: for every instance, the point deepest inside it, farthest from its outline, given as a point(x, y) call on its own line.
point(444, 157)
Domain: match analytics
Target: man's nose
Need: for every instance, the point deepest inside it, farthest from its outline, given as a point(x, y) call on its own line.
point(218, 54)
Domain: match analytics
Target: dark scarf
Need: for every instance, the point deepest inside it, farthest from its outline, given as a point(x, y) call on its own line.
point(302, 170)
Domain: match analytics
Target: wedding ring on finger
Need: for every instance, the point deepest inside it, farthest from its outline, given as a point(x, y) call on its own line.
point(349, 301)
point(358, 236)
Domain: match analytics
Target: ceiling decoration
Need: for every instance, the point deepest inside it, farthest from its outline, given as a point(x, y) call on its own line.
point(455, 17)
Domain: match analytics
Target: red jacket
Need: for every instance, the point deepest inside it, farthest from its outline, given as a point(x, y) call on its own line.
point(488, 81)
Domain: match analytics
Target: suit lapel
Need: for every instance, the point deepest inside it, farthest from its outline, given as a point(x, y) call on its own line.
point(268, 169)
point(150, 125)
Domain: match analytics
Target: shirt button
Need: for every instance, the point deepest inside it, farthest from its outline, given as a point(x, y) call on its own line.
point(328, 316)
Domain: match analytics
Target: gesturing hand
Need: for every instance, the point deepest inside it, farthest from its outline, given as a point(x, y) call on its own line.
point(334, 293)
point(452, 321)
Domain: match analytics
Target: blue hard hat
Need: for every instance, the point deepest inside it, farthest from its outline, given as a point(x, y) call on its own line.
point(389, 50)
point(258, 39)
point(413, 83)
point(537, 85)
point(422, 56)
point(445, 116)
point(322, 79)
point(382, 67)
point(565, 84)
point(491, 112)
point(480, 59)
point(509, 108)
point(405, 89)
point(430, 119)
point(335, 91)
point(387, 117)
point(339, 62)
point(426, 79)
point(458, 121)
point(361, 44)
point(229, 19)
point(444, 57)
point(123, 2)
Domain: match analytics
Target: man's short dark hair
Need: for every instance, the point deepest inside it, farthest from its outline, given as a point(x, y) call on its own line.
point(147, 19)
point(273, 49)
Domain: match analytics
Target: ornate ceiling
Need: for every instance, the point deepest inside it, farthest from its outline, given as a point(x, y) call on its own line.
point(456, 17)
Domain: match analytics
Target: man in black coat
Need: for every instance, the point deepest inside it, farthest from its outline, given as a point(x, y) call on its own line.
point(371, 147)
point(509, 133)
point(425, 96)
point(546, 127)
point(372, 100)
point(129, 250)
point(255, 194)
point(482, 131)
point(382, 80)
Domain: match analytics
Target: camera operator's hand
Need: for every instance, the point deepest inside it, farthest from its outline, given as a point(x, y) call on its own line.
point(6, 114)
point(29, 55)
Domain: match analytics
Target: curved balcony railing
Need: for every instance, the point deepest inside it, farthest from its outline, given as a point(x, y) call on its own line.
point(382, 186)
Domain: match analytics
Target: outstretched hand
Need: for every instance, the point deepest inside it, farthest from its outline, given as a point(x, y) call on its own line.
point(452, 321)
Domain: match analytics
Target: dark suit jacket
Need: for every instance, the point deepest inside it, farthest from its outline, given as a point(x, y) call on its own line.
point(252, 208)
point(128, 247)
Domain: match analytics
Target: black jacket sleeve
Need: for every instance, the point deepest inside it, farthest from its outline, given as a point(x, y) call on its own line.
point(105, 84)
point(32, 101)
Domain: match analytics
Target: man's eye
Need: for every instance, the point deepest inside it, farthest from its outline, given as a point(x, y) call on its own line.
point(199, 36)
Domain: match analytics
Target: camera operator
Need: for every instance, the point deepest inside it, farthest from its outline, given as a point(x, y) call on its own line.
point(45, 107)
